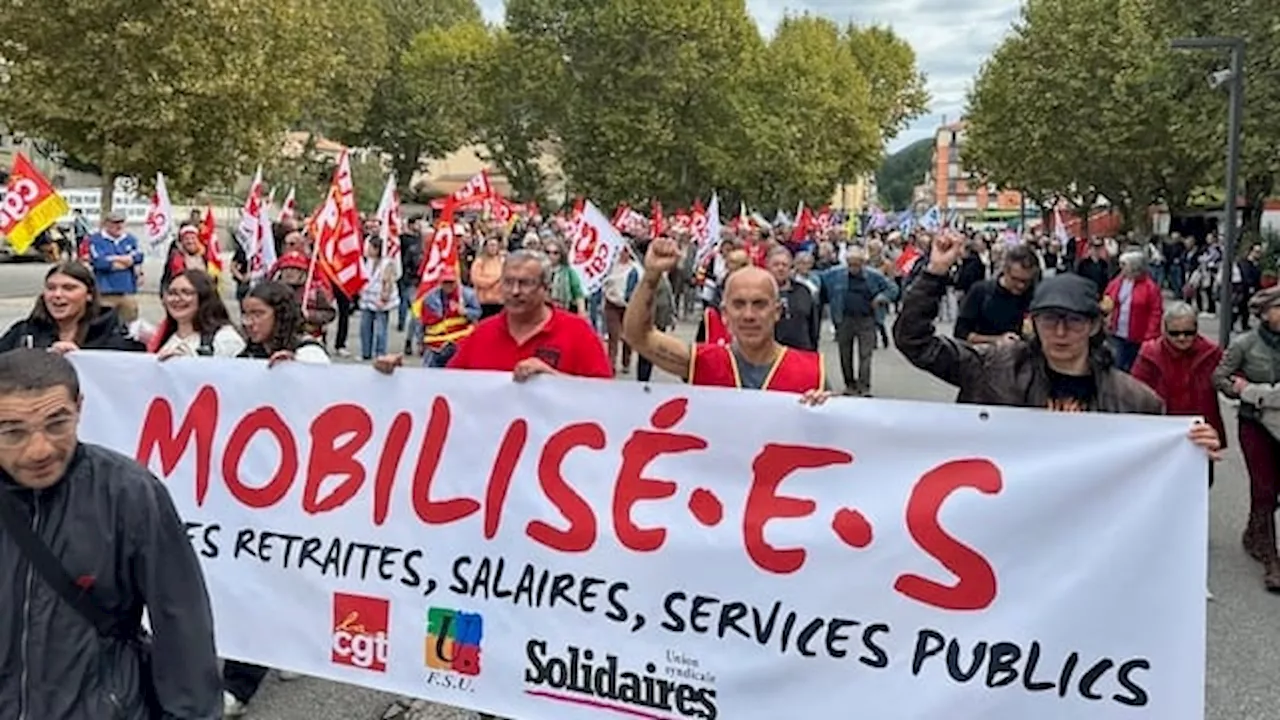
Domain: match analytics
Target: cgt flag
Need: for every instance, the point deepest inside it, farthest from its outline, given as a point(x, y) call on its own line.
point(30, 205)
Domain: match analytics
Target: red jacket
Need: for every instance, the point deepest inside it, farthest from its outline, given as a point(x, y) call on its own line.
point(1183, 379)
point(1146, 308)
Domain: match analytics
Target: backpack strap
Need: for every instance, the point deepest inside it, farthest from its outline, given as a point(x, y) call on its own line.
point(50, 568)
point(206, 344)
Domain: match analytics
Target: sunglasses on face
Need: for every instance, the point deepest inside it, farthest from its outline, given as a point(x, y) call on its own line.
point(1180, 333)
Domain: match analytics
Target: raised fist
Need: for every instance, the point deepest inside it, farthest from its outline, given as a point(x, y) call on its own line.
point(662, 256)
point(945, 251)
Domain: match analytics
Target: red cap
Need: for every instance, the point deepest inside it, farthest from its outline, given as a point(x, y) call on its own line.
point(448, 274)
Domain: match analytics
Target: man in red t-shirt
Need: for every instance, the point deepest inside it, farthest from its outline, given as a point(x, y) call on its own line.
point(529, 337)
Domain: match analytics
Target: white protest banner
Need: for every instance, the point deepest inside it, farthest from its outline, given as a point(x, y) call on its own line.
point(584, 549)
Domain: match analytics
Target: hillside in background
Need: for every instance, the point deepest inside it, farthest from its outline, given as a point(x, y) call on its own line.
point(901, 172)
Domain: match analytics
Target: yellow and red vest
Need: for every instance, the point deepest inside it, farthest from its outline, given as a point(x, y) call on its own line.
point(795, 371)
point(446, 332)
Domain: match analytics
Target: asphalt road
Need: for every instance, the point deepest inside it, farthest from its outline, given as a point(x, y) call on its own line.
point(1244, 622)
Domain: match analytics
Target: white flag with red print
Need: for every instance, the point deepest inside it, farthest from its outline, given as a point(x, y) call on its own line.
point(709, 237)
point(593, 244)
point(1060, 228)
point(289, 209)
point(390, 221)
point(254, 232)
point(159, 214)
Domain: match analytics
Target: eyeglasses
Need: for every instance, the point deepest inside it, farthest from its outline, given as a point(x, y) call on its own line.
point(1181, 333)
point(521, 283)
point(179, 293)
point(1072, 322)
point(14, 437)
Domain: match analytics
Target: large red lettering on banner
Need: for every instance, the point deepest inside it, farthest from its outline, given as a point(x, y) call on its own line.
point(333, 475)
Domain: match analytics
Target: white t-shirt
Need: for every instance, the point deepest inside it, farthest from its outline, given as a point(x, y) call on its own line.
point(227, 342)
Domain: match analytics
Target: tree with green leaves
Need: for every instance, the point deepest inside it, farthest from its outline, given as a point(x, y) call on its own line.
point(197, 89)
point(441, 70)
point(394, 123)
point(668, 99)
point(811, 123)
point(898, 92)
point(1205, 108)
point(514, 118)
point(644, 101)
point(1080, 102)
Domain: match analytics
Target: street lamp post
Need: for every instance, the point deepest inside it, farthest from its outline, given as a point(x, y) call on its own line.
point(1235, 109)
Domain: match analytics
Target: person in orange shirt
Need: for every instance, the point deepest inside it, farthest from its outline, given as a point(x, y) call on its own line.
point(753, 359)
point(486, 278)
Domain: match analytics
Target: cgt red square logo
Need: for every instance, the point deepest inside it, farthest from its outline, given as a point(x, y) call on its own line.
point(360, 626)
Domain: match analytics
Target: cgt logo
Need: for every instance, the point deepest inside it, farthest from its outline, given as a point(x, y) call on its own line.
point(453, 641)
point(360, 626)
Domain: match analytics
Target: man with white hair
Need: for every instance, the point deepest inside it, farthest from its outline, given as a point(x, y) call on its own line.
point(856, 295)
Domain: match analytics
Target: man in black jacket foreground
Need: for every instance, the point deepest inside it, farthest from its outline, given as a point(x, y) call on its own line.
point(109, 528)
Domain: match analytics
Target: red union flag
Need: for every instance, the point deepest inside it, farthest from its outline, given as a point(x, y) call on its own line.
point(337, 233)
point(30, 205)
point(471, 196)
point(441, 256)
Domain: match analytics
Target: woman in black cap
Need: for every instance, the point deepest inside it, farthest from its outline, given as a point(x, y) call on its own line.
point(1064, 366)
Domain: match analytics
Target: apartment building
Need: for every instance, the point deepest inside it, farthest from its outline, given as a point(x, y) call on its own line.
point(954, 188)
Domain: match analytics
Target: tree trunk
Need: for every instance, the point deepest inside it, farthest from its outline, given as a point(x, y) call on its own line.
point(107, 200)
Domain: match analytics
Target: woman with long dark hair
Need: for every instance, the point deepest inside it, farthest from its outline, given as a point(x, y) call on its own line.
point(196, 320)
point(67, 316)
point(273, 325)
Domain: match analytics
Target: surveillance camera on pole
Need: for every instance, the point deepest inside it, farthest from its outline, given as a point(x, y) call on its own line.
point(1233, 78)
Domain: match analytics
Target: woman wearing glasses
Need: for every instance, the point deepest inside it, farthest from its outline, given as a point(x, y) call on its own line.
point(1179, 366)
point(196, 321)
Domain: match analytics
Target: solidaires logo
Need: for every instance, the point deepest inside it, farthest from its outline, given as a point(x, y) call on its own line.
point(581, 677)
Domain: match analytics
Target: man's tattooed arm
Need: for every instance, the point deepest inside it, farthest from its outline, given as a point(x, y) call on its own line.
point(663, 350)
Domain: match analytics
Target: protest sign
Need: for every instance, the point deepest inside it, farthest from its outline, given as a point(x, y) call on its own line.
point(587, 549)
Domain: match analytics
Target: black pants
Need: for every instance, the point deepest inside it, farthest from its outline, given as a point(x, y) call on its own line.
point(859, 331)
point(644, 369)
point(1242, 310)
point(242, 680)
point(345, 307)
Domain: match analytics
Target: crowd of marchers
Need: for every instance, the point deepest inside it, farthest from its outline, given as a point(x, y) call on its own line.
point(1092, 326)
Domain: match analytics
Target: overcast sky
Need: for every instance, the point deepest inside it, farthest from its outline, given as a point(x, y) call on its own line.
point(951, 39)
